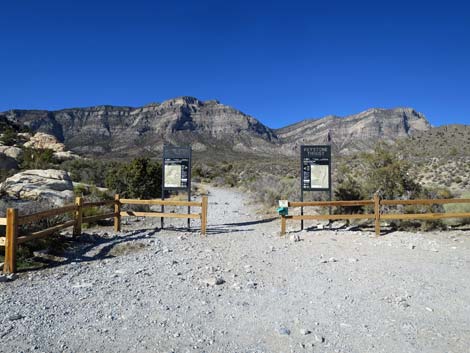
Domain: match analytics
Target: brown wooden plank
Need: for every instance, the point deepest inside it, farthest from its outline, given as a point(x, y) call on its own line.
point(78, 216)
point(97, 217)
point(45, 214)
point(45, 232)
point(283, 225)
point(332, 217)
point(332, 203)
point(377, 214)
point(160, 202)
point(424, 215)
point(117, 213)
point(98, 203)
point(159, 214)
point(11, 241)
point(424, 201)
point(3, 221)
point(204, 215)
point(2, 241)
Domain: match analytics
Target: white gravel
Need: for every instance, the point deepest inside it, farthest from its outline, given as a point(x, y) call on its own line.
point(245, 289)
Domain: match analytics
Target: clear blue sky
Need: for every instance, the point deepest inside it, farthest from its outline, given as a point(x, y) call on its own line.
point(279, 61)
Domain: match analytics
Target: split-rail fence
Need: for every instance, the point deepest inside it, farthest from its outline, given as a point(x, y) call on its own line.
point(377, 215)
point(14, 220)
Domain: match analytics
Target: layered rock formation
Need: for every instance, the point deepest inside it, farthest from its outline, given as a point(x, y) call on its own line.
point(210, 126)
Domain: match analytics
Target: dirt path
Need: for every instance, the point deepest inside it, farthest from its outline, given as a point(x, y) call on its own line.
point(333, 291)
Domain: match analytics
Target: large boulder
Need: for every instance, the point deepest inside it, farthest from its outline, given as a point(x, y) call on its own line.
point(52, 186)
point(7, 163)
point(11, 151)
point(43, 141)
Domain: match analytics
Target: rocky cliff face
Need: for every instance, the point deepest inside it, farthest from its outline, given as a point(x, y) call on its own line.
point(210, 126)
point(355, 132)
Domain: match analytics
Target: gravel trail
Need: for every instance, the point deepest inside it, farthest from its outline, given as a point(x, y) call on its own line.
point(244, 289)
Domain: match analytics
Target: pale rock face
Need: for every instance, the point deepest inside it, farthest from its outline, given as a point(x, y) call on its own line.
point(211, 126)
point(45, 141)
point(55, 186)
point(65, 156)
point(11, 151)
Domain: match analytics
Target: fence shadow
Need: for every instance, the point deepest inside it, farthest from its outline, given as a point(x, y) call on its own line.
point(85, 244)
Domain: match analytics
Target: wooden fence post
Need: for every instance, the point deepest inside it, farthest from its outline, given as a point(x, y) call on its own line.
point(377, 213)
point(204, 215)
point(283, 225)
point(117, 213)
point(10, 241)
point(77, 228)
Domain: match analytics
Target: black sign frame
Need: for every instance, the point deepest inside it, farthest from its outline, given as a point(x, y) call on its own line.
point(177, 155)
point(316, 155)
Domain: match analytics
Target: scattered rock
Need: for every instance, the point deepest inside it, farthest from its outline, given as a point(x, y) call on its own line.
point(332, 259)
point(304, 331)
point(283, 331)
point(15, 317)
point(411, 246)
point(214, 281)
point(294, 238)
point(352, 260)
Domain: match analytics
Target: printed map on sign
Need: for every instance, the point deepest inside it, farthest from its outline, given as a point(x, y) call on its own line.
point(173, 176)
point(319, 176)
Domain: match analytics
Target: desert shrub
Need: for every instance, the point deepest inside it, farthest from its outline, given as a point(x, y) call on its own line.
point(269, 189)
point(88, 171)
point(141, 178)
point(9, 137)
point(348, 188)
point(458, 208)
point(37, 159)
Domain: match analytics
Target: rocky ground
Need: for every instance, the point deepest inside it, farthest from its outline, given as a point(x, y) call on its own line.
point(244, 289)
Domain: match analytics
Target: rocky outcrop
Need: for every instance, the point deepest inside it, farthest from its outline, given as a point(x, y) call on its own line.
point(11, 151)
point(210, 126)
point(53, 186)
point(7, 163)
point(45, 141)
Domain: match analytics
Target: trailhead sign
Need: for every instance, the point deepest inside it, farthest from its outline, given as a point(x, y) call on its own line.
point(176, 168)
point(176, 172)
point(315, 171)
point(316, 168)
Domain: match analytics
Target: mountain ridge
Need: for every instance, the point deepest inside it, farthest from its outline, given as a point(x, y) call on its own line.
point(210, 125)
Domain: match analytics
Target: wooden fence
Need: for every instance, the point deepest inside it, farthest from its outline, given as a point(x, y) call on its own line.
point(377, 215)
point(13, 220)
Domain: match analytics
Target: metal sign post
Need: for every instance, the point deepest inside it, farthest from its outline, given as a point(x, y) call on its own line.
point(176, 173)
point(315, 171)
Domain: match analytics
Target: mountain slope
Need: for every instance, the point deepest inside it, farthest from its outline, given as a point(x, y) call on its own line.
point(211, 126)
point(355, 132)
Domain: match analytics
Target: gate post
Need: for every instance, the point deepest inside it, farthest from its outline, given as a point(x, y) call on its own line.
point(377, 214)
point(283, 225)
point(117, 213)
point(77, 228)
point(11, 245)
point(204, 215)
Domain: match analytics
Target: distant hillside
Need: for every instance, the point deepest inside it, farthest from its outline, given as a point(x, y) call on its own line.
point(211, 126)
point(355, 132)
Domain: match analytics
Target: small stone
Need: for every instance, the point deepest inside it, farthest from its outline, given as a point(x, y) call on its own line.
point(352, 260)
point(283, 331)
point(332, 259)
point(251, 285)
point(320, 226)
point(319, 338)
point(304, 331)
point(411, 246)
point(15, 317)
point(294, 238)
point(429, 309)
point(214, 281)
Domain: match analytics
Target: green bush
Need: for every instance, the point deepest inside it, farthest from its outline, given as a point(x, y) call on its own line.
point(141, 178)
point(37, 159)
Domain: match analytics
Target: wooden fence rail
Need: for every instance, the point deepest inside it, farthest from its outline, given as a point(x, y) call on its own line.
point(377, 216)
point(12, 221)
